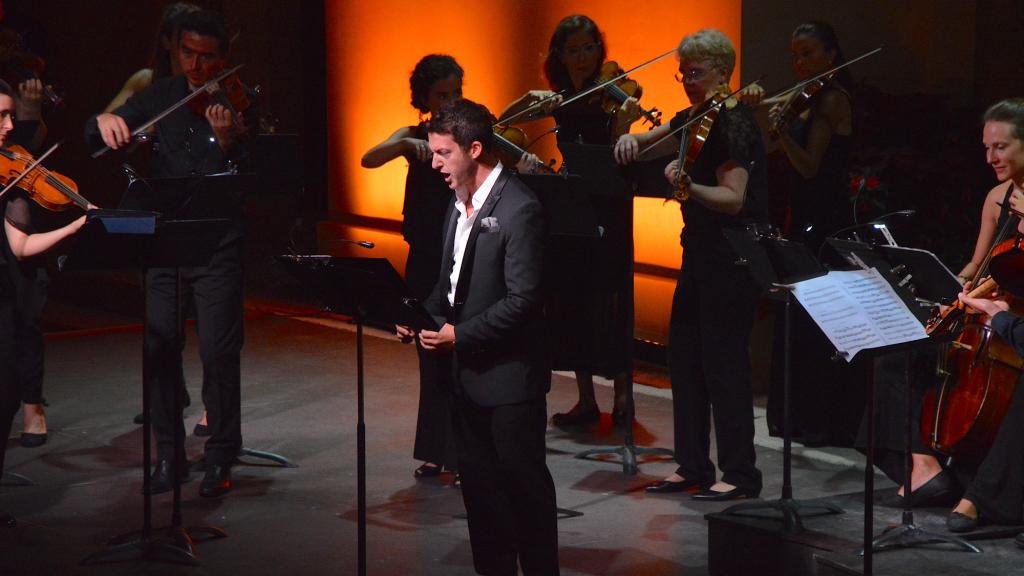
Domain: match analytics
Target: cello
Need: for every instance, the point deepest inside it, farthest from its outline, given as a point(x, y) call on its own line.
point(977, 373)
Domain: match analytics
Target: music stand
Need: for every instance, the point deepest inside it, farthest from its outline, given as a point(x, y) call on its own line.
point(604, 177)
point(773, 262)
point(907, 534)
point(191, 197)
point(114, 239)
point(365, 289)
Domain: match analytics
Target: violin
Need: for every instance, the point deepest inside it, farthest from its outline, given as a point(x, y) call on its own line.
point(511, 144)
point(18, 64)
point(51, 190)
point(617, 92)
point(696, 136)
point(798, 103)
point(227, 91)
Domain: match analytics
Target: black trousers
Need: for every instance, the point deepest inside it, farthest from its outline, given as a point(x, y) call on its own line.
point(709, 334)
point(998, 486)
point(30, 284)
point(9, 398)
point(217, 292)
point(435, 441)
point(506, 487)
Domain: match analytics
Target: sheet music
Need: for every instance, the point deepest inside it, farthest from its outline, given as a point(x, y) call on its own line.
point(858, 310)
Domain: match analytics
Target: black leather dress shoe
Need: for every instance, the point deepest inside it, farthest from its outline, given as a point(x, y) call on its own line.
point(32, 440)
point(579, 418)
point(160, 480)
point(941, 490)
point(736, 493)
point(957, 522)
point(201, 430)
point(216, 482)
point(669, 487)
point(427, 471)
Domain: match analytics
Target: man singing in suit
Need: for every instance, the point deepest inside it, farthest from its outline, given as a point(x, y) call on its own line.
point(489, 294)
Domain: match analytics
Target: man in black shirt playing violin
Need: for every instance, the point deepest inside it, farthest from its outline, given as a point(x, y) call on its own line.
point(189, 144)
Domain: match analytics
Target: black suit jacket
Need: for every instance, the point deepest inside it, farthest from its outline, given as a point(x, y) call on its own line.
point(499, 356)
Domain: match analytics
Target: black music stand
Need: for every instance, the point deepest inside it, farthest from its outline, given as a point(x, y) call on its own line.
point(774, 262)
point(603, 177)
point(939, 286)
point(365, 289)
point(208, 196)
point(115, 239)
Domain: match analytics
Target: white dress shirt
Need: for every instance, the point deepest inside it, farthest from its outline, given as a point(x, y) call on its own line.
point(465, 224)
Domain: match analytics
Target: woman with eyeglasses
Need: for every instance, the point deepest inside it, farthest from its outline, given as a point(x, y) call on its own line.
point(588, 297)
point(714, 301)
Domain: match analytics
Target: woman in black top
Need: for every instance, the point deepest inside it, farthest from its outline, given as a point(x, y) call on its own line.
point(714, 301)
point(22, 242)
point(587, 284)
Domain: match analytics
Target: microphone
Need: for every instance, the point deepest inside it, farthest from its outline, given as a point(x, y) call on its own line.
point(364, 243)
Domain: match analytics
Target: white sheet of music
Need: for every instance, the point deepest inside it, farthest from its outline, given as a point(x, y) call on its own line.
point(858, 310)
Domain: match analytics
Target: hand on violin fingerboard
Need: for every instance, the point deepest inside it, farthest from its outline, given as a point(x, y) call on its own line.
point(1017, 200)
point(528, 163)
point(627, 113)
point(30, 100)
point(227, 127)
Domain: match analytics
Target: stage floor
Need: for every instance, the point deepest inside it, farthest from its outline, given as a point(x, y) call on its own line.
point(299, 401)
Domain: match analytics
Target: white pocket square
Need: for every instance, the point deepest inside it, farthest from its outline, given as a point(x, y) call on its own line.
point(490, 224)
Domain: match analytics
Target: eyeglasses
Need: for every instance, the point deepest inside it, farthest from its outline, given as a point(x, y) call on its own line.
point(587, 50)
point(692, 75)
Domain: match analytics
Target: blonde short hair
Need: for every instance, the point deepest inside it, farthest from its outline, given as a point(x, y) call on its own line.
point(709, 44)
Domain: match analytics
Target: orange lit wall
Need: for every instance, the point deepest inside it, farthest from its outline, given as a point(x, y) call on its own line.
point(373, 46)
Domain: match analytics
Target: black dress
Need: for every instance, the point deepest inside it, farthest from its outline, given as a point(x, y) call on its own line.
point(588, 280)
point(826, 397)
point(427, 198)
point(712, 315)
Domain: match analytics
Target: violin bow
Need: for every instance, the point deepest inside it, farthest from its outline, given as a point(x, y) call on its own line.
point(173, 107)
point(30, 168)
point(803, 83)
point(588, 91)
point(698, 117)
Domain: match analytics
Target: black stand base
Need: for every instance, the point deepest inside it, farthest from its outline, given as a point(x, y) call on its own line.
point(789, 508)
point(276, 458)
point(15, 479)
point(628, 452)
point(908, 535)
point(176, 546)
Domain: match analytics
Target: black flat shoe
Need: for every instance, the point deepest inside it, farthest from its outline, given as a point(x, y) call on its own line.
point(669, 487)
point(31, 440)
point(957, 522)
point(710, 495)
point(160, 480)
point(216, 482)
point(138, 419)
point(427, 471)
point(201, 430)
point(581, 418)
point(941, 490)
point(1019, 540)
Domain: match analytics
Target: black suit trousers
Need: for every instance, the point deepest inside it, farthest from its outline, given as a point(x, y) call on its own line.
point(506, 486)
point(217, 292)
point(9, 399)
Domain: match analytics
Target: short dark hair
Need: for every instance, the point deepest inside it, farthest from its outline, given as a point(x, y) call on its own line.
point(6, 90)
point(429, 70)
point(466, 122)
point(555, 72)
point(1010, 111)
point(172, 14)
point(206, 23)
